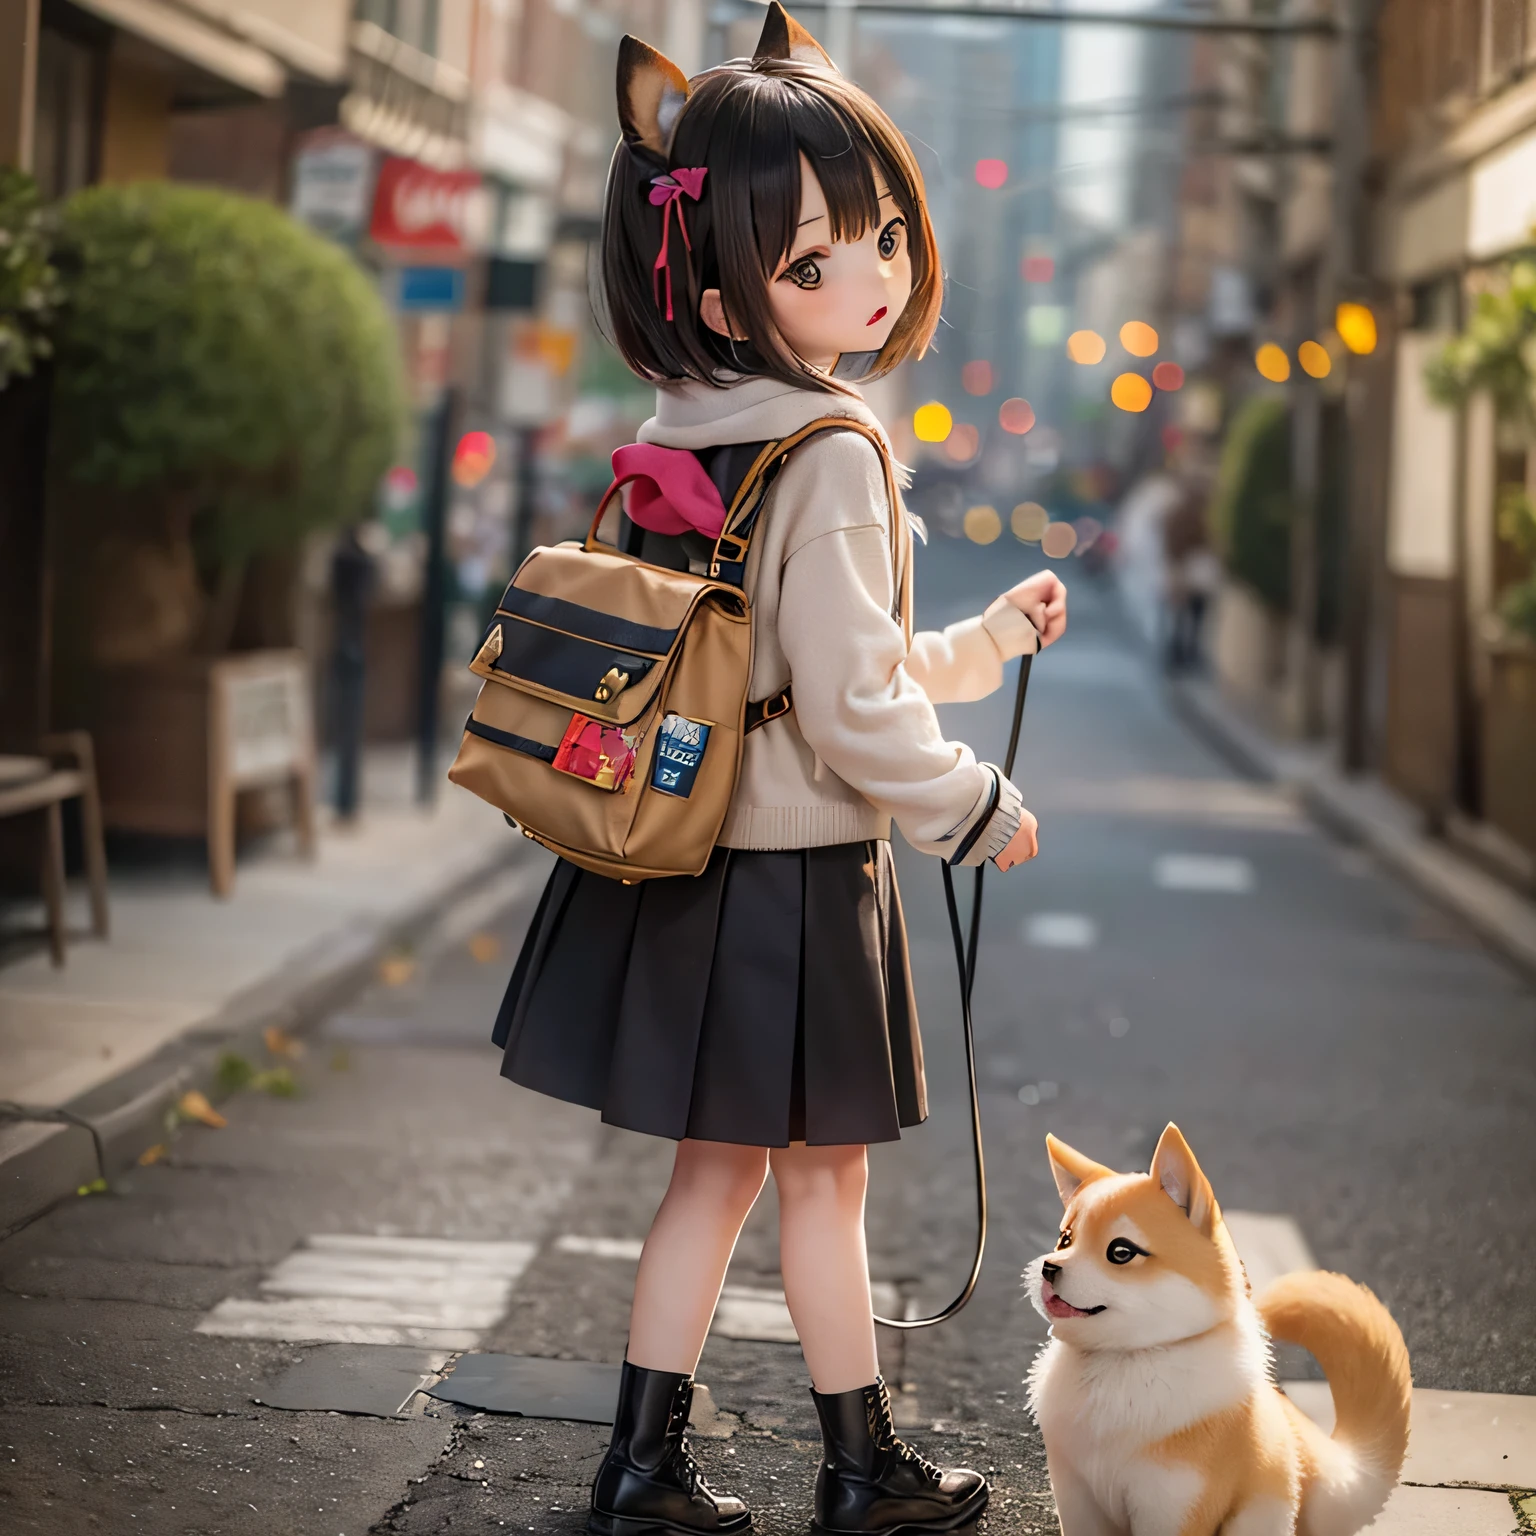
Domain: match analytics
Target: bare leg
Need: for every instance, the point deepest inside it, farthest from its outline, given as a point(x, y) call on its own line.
point(825, 1263)
point(691, 1240)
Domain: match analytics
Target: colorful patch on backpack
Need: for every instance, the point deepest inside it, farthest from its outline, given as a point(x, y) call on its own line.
point(598, 752)
point(679, 751)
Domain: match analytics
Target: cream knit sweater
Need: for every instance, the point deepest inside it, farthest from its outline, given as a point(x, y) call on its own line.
point(862, 745)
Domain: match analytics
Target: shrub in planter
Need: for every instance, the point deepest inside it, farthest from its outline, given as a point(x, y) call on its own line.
point(30, 287)
point(1253, 504)
point(227, 381)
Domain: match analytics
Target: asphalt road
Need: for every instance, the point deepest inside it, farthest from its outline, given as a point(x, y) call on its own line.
point(1336, 1051)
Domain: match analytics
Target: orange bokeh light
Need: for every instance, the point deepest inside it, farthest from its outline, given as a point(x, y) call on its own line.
point(1138, 338)
point(1085, 347)
point(976, 377)
point(1314, 359)
point(1272, 363)
point(1131, 392)
point(962, 443)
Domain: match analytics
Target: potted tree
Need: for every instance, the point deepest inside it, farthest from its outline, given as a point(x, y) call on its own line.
point(227, 383)
point(1496, 355)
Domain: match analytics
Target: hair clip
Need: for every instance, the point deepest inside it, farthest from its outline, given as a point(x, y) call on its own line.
point(667, 191)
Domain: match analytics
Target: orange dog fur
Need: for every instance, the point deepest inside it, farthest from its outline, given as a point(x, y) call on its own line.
point(1155, 1395)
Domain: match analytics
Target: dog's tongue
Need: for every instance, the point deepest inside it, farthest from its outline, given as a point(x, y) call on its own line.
point(1055, 1306)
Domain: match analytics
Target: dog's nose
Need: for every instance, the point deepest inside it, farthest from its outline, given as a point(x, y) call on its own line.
point(1050, 1270)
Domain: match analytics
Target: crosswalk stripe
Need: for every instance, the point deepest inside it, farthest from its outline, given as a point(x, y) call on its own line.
point(1060, 930)
point(1203, 872)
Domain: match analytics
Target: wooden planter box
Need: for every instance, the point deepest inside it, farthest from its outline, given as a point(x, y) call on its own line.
point(1509, 742)
point(176, 742)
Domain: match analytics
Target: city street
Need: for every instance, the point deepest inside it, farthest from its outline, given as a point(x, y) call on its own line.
point(1187, 947)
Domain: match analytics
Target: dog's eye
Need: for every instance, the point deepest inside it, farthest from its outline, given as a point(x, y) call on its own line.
point(1121, 1251)
point(1065, 1240)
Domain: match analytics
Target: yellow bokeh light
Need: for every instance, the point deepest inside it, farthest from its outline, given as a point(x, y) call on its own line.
point(982, 525)
point(1356, 326)
point(1029, 522)
point(1138, 338)
point(1131, 392)
point(932, 422)
point(1314, 359)
point(1085, 347)
point(1272, 362)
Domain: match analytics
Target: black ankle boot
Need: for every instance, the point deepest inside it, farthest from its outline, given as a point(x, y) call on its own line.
point(872, 1484)
point(649, 1483)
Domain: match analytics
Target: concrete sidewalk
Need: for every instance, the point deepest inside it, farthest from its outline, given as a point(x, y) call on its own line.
point(129, 1024)
point(1366, 811)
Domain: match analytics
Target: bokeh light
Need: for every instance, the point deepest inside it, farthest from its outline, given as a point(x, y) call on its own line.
point(473, 458)
point(1085, 347)
point(931, 423)
point(982, 525)
point(1168, 376)
point(1016, 416)
point(1356, 326)
point(1029, 522)
point(1131, 392)
point(1045, 324)
point(991, 174)
point(1088, 530)
point(1272, 362)
point(1037, 269)
point(1314, 359)
point(1138, 338)
point(976, 377)
point(962, 443)
point(1059, 540)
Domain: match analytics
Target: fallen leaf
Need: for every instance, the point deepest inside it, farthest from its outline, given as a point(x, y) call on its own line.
point(152, 1154)
point(396, 970)
point(95, 1187)
point(485, 947)
point(278, 1081)
point(194, 1105)
point(280, 1043)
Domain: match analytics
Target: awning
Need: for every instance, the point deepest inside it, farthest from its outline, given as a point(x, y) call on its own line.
point(197, 42)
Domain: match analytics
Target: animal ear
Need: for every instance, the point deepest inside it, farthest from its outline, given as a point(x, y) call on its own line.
point(784, 38)
point(1178, 1174)
point(1071, 1169)
point(652, 91)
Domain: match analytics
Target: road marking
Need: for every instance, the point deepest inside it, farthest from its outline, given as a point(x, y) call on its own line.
point(1060, 930)
point(342, 1288)
point(1269, 1246)
point(1487, 1439)
point(600, 1247)
point(762, 1315)
point(1203, 872)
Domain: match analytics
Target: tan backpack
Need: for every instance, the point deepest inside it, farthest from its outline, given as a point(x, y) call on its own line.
point(614, 704)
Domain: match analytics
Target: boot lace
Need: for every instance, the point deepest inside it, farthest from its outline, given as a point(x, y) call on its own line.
point(682, 1460)
point(882, 1430)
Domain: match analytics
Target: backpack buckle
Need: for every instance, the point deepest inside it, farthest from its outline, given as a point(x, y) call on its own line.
point(613, 682)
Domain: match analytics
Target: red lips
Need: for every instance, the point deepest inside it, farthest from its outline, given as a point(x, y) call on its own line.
point(879, 314)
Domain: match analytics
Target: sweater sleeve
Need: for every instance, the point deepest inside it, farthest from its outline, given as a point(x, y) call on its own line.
point(863, 713)
point(965, 661)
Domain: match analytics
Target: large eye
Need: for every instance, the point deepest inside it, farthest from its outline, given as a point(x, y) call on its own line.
point(804, 273)
point(1121, 1251)
point(1065, 1240)
point(890, 238)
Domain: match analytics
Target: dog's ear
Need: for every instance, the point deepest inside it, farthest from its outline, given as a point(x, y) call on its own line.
point(784, 38)
point(652, 91)
point(1071, 1169)
point(1178, 1174)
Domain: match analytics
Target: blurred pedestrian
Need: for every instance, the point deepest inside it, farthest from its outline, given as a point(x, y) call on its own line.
point(1191, 573)
point(352, 582)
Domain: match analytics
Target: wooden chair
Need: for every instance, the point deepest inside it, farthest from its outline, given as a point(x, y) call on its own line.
point(64, 770)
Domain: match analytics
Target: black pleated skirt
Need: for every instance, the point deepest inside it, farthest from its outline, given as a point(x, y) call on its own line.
point(766, 1001)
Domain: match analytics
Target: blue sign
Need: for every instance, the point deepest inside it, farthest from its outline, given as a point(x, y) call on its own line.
point(431, 288)
point(679, 751)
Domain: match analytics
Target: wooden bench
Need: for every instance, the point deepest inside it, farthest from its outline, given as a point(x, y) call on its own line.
point(65, 769)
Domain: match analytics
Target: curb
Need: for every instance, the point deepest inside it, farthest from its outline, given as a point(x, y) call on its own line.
point(47, 1163)
point(1502, 918)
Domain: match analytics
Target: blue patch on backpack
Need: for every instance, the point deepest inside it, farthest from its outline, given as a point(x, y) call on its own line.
point(679, 751)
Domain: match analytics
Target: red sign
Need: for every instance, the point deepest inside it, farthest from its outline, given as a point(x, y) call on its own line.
point(423, 209)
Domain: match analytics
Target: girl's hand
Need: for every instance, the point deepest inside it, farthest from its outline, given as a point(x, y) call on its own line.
point(1042, 599)
point(1024, 844)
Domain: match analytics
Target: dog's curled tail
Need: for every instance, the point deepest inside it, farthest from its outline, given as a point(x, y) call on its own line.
point(1362, 1353)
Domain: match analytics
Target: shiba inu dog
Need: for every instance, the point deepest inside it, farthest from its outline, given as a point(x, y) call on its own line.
point(1155, 1396)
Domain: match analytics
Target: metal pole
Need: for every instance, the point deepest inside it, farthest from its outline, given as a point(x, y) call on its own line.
point(434, 597)
point(525, 496)
point(352, 574)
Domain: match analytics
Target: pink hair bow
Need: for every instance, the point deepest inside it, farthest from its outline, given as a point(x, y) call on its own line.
point(667, 191)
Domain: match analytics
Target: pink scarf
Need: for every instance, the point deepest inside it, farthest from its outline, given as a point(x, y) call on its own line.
point(669, 491)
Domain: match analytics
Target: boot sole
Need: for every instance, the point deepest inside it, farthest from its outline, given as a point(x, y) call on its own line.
point(961, 1523)
point(599, 1524)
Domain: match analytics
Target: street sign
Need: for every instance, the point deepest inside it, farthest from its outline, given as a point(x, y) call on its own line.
point(427, 289)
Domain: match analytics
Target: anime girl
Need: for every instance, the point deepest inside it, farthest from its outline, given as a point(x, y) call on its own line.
point(764, 236)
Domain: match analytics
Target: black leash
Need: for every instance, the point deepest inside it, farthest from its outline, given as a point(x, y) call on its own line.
point(965, 964)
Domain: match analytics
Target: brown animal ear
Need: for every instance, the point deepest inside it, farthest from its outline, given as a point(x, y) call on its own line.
point(652, 91)
point(784, 38)
point(1176, 1171)
point(1071, 1169)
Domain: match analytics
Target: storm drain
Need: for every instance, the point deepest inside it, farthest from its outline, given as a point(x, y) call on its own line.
point(340, 1288)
